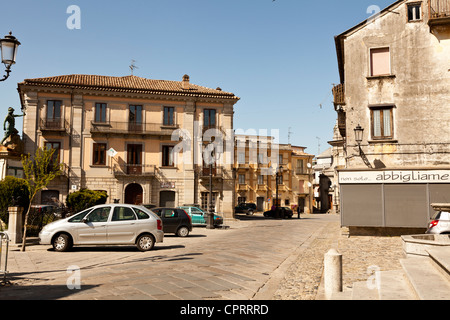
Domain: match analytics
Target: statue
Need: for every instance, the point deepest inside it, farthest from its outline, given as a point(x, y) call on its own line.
point(10, 125)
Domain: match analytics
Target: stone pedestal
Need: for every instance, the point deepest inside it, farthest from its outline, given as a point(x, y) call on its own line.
point(15, 225)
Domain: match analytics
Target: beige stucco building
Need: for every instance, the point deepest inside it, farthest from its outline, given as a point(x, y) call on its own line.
point(140, 140)
point(395, 79)
point(257, 161)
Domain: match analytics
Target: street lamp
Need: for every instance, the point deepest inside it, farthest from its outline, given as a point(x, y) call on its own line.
point(8, 46)
point(359, 133)
point(277, 181)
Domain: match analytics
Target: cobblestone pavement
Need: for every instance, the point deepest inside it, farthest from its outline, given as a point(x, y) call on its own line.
point(359, 253)
point(259, 259)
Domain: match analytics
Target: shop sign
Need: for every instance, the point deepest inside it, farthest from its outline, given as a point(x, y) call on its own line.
point(394, 176)
point(167, 185)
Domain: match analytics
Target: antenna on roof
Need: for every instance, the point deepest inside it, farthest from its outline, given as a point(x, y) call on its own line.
point(289, 135)
point(133, 66)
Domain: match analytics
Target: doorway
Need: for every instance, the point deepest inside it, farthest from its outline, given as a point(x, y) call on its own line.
point(134, 194)
point(167, 199)
point(260, 203)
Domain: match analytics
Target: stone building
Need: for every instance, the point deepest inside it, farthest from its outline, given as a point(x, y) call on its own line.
point(394, 90)
point(140, 140)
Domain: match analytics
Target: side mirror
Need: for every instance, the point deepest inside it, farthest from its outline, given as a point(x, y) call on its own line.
point(85, 220)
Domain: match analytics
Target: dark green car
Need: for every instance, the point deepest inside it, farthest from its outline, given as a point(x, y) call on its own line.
point(198, 216)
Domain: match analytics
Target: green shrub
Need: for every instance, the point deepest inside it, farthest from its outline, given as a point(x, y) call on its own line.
point(85, 198)
point(10, 187)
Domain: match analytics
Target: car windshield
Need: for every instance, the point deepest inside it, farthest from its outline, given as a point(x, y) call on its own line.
point(79, 217)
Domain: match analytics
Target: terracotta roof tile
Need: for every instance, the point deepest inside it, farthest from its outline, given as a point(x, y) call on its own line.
point(132, 84)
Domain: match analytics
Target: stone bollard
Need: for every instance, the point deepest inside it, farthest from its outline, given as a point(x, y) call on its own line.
point(332, 273)
point(15, 225)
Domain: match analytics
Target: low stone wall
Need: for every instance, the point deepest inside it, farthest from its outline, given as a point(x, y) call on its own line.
point(417, 245)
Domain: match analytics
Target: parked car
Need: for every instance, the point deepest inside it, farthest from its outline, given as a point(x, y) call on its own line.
point(198, 216)
point(440, 223)
point(149, 206)
point(109, 224)
point(247, 208)
point(286, 212)
point(175, 221)
point(42, 209)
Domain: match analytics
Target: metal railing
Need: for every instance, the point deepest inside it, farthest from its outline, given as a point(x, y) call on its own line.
point(132, 128)
point(4, 238)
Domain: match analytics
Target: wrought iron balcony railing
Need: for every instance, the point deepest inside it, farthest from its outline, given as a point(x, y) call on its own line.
point(132, 128)
point(57, 124)
point(134, 170)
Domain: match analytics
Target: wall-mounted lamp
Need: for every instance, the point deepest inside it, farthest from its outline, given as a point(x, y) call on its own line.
point(359, 134)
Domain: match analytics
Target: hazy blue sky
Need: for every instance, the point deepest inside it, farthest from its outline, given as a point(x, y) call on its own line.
point(277, 56)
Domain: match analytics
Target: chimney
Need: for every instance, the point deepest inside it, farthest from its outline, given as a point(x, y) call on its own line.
point(185, 83)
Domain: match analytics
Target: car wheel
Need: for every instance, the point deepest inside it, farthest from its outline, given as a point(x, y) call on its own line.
point(145, 242)
point(62, 243)
point(250, 212)
point(183, 232)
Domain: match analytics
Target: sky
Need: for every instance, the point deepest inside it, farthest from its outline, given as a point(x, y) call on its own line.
point(278, 56)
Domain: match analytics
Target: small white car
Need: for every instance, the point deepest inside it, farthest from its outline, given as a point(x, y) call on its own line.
point(109, 224)
point(440, 223)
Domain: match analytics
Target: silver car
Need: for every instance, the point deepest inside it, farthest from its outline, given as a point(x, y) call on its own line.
point(110, 224)
point(440, 223)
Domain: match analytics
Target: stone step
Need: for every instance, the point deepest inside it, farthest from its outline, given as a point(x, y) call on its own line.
point(395, 286)
point(345, 295)
point(441, 259)
point(427, 282)
point(362, 291)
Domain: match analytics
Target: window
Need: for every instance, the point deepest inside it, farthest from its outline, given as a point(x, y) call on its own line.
point(415, 12)
point(299, 169)
point(260, 179)
point(382, 126)
point(262, 158)
point(100, 112)
point(242, 179)
point(169, 119)
point(209, 118)
point(167, 156)
point(99, 154)
point(280, 179)
point(54, 146)
point(380, 62)
point(280, 159)
point(170, 213)
point(141, 214)
point(241, 157)
point(123, 214)
point(53, 110)
point(99, 215)
point(135, 118)
point(242, 200)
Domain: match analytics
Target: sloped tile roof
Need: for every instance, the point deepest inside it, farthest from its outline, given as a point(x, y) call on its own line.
point(130, 84)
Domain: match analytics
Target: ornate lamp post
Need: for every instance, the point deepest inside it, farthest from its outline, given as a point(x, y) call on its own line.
point(8, 45)
point(359, 133)
point(277, 182)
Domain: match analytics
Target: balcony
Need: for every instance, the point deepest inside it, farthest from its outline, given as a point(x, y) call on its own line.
point(215, 172)
point(134, 170)
point(54, 125)
point(439, 12)
point(114, 127)
point(339, 95)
